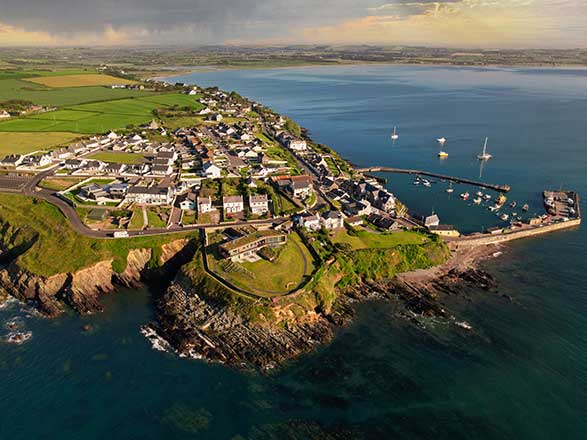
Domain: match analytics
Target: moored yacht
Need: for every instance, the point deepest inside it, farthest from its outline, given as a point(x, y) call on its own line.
point(485, 155)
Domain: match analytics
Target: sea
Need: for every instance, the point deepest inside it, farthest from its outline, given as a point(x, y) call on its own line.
point(520, 372)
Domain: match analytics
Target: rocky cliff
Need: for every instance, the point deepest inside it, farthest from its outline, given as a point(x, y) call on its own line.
point(82, 289)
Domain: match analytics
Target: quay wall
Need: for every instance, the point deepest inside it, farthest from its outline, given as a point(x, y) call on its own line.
point(488, 239)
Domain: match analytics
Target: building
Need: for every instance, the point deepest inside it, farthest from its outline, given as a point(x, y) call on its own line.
point(299, 186)
point(431, 220)
point(187, 201)
point(445, 231)
point(309, 221)
point(74, 164)
point(204, 205)
point(332, 220)
point(354, 221)
point(248, 246)
point(4, 114)
point(259, 204)
point(233, 204)
point(114, 168)
point(211, 171)
point(162, 170)
point(154, 195)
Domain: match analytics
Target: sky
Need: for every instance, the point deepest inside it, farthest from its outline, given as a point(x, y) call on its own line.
point(446, 23)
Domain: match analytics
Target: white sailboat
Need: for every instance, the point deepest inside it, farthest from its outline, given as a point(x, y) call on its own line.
point(441, 140)
point(394, 136)
point(485, 155)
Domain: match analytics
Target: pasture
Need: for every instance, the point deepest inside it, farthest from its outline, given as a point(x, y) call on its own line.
point(99, 117)
point(23, 143)
point(83, 80)
point(116, 157)
point(14, 87)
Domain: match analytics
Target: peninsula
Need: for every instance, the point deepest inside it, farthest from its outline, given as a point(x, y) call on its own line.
point(263, 238)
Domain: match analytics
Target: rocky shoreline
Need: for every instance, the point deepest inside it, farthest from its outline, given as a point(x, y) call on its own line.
point(200, 326)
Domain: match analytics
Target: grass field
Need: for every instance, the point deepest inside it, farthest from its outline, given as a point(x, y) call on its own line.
point(114, 157)
point(99, 117)
point(57, 248)
point(365, 239)
point(137, 220)
point(154, 219)
point(22, 143)
point(283, 275)
point(60, 183)
point(84, 80)
point(15, 88)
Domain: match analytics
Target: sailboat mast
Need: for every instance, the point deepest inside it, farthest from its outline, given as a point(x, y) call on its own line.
point(485, 146)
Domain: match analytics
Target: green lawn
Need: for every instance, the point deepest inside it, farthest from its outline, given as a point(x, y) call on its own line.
point(269, 279)
point(137, 220)
point(115, 157)
point(57, 248)
point(26, 142)
point(154, 219)
point(365, 239)
point(99, 117)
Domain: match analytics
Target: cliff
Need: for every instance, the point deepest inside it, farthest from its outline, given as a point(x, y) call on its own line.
point(81, 289)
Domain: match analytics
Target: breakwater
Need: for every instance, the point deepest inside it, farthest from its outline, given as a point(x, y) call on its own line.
point(495, 187)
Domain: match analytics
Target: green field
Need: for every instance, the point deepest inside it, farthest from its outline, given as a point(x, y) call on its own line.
point(60, 183)
point(22, 143)
point(114, 157)
point(370, 240)
point(99, 117)
point(56, 248)
point(83, 80)
point(18, 89)
point(266, 278)
point(154, 219)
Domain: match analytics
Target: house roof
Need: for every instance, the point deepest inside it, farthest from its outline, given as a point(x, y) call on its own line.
point(232, 199)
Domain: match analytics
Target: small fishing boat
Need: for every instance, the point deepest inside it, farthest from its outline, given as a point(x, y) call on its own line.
point(479, 194)
point(416, 182)
point(394, 135)
point(504, 217)
point(465, 196)
point(485, 156)
point(513, 205)
point(525, 207)
point(441, 140)
point(450, 189)
point(500, 200)
point(487, 196)
point(427, 184)
point(442, 154)
point(477, 201)
point(493, 208)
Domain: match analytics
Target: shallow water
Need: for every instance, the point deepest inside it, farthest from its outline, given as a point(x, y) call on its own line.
point(520, 373)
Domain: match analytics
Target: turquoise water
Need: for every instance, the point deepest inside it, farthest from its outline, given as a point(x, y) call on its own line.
point(522, 372)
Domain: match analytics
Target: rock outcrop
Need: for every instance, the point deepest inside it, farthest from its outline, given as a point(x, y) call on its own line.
point(82, 289)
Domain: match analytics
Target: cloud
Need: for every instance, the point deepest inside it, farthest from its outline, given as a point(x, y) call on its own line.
point(204, 22)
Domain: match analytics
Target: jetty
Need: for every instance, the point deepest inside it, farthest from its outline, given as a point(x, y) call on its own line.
point(499, 188)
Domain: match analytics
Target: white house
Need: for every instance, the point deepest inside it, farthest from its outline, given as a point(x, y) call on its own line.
point(188, 202)
point(332, 220)
point(154, 195)
point(309, 221)
point(259, 204)
point(211, 171)
point(4, 114)
point(204, 205)
point(432, 220)
point(233, 204)
point(297, 145)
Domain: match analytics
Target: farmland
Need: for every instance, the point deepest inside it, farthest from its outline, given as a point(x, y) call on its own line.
point(99, 117)
point(16, 88)
point(22, 143)
point(83, 80)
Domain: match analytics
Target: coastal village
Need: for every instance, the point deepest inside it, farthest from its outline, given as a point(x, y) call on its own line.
point(239, 162)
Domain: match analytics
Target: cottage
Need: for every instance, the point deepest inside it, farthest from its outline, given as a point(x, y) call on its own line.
point(204, 205)
point(4, 114)
point(259, 204)
point(431, 220)
point(211, 171)
point(114, 168)
point(309, 221)
point(332, 220)
point(233, 204)
point(354, 221)
point(93, 165)
point(187, 202)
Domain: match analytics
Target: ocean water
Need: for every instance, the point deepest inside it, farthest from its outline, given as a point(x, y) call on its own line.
point(520, 373)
